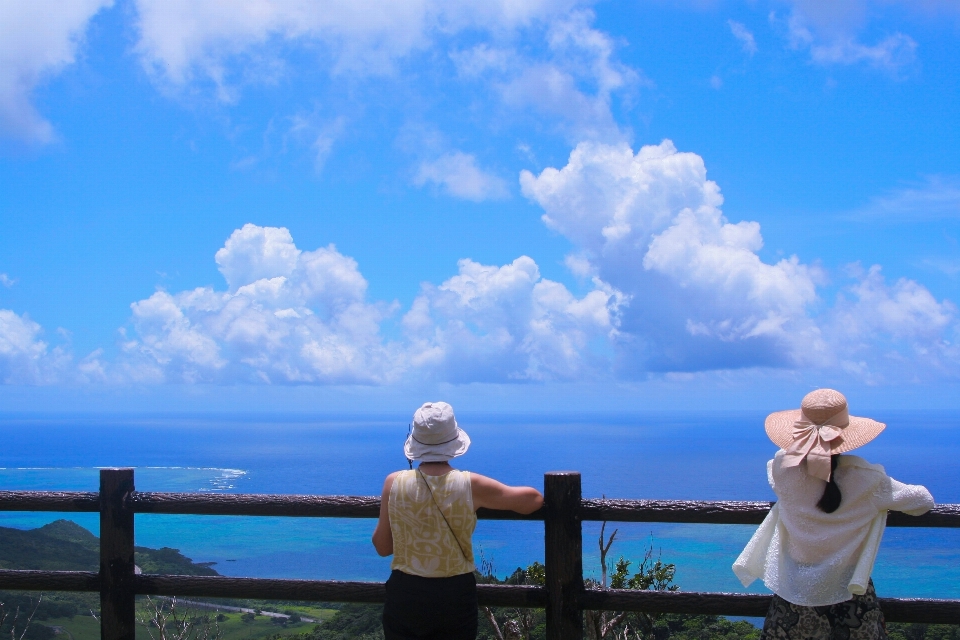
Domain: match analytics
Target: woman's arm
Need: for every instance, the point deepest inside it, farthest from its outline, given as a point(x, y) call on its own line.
point(382, 536)
point(912, 499)
point(490, 494)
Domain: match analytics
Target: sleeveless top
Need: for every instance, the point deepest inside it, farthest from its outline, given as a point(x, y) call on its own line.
point(423, 544)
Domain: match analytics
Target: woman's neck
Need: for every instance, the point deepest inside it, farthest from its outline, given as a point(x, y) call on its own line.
point(437, 468)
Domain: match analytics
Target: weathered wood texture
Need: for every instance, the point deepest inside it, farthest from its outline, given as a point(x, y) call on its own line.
point(316, 590)
point(738, 604)
point(49, 580)
point(717, 512)
point(921, 610)
point(260, 588)
point(522, 596)
point(563, 554)
point(117, 603)
point(733, 512)
point(690, 511)
point(60, 501)
point(728, 604)
point(250, 504)
point(734, 604)
point(942, 515)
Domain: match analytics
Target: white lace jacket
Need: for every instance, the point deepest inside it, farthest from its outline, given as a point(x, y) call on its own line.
point(812, 558)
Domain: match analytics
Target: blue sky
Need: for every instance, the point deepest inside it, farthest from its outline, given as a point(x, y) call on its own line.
point(534, 204)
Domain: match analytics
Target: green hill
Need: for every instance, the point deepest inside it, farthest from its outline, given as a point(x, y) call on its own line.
point(66, 546)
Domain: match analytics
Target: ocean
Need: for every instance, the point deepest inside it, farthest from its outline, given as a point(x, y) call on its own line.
point(669, 456)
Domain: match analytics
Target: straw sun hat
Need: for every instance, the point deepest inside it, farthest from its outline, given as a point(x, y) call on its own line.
point(434, 434)
point(821, 427)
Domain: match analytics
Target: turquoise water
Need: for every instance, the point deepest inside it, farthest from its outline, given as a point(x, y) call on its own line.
point(702, 456)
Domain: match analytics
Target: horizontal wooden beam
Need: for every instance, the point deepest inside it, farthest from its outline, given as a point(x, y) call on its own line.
point(252, 504)
point(733, 512)
point(942, 515)
point(260, 588)
point(49, 580)
point(691, 511)
point(59, 501)
point(316, 590)
point(247, 504)
point(732, 604)
point(931, 611)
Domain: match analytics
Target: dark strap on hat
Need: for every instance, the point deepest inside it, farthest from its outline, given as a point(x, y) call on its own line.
point(434, 444)
point(437, 504)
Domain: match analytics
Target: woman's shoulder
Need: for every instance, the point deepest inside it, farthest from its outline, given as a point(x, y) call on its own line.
point(848, 461)
point(398, 476)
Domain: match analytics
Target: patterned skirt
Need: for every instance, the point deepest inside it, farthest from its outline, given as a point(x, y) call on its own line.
point(859, 618)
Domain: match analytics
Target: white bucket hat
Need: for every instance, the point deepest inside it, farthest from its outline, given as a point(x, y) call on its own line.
point(435, 436)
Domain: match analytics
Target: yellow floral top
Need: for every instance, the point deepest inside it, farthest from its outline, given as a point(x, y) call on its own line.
point(423, 544)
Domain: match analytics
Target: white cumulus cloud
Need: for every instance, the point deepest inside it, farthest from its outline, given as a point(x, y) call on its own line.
point(288, 316)
point(301, 317)
point(897, 329)
point(700, 295)
point(497, 324)
point(24, 357)
point(40, 38)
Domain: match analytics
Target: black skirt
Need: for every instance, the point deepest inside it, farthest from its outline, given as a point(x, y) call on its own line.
point(430, 608)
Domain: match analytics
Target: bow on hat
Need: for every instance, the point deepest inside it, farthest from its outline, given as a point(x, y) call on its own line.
point(814, 442)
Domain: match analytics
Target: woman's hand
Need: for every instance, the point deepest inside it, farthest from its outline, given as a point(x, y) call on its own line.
point(382, 535)
point(490, 494)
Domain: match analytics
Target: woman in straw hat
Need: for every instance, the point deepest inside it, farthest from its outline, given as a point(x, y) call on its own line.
point(427, 517)
point(815, 550)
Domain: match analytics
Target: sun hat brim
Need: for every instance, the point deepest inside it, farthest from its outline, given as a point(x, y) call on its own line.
point(437, 452)
point(860, 431)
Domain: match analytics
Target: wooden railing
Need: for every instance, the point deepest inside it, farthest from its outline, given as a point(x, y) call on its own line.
point(563, 597)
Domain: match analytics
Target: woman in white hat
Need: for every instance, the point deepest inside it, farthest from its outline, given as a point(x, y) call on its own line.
point(427, 518)
point(816, 548)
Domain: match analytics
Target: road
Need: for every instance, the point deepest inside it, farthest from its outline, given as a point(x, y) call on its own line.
point(221, 607)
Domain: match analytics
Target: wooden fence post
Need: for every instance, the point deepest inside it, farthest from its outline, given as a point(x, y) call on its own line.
point(117, 614)
point(563, 554)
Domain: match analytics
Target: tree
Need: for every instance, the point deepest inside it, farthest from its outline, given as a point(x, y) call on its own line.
point(164, 620)
point(6, 619)
point(652, 574)
point(528, 624)
point(513, 623)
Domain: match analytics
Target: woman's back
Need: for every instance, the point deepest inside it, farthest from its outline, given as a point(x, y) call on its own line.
point(816, 548)
point(432, 519)
point(427, 518)
point(822, 554)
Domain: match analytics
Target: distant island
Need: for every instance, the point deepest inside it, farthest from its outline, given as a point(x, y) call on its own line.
point(64, 545)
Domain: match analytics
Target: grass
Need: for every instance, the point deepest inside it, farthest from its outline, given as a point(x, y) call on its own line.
point(232, 628)
point(77, 627)
point(303, 610)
